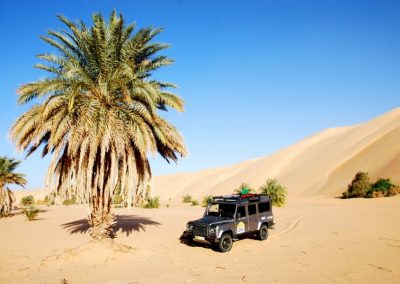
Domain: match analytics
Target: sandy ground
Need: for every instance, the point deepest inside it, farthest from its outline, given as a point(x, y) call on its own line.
point(315, 240)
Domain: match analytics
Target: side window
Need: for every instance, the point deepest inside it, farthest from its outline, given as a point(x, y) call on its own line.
point(264, 207)
point(252, 209)
point(241, 212)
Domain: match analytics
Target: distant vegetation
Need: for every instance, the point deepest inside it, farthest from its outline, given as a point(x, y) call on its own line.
point(152, 202)
point(28, 200)
point(187, 198)
point(70, 201)
point(361, 186)
point(276, 191)
point(194, 203)
point(206, 199)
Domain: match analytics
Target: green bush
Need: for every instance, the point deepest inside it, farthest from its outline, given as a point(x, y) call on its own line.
point(70, 201)
point(28, 200)
point(194, 203)
point(187, 198)
point(358, 187)
point(152, 202)
point(206, 200)
point(276, 192)
point(362, 187)
point(118, 199)
point(382, 187)
point(31, 213)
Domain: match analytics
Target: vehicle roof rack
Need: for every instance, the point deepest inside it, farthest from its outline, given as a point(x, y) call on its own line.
point(240, 197)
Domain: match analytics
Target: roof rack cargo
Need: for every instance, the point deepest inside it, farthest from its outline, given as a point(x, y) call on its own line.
point(240, 197)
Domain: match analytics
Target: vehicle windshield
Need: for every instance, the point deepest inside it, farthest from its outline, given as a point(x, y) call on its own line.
point(221, 210)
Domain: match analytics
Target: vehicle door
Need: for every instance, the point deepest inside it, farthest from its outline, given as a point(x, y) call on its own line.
point(242, 222)
point(253, 217)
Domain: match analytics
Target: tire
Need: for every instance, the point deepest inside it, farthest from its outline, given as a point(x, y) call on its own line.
point(262, 234)
point(191, 242)
point(225, 243)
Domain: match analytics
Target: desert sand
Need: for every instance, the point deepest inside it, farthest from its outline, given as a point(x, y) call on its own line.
point(318, 238)
point(315, 240)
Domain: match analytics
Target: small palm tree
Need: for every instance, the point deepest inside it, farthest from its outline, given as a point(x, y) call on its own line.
point(276, 192)
point(7, 176)
point(244, 186)
point(98, 114)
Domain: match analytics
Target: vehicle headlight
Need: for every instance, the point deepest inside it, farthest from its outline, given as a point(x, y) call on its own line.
point(212, 230)
point(189, 227)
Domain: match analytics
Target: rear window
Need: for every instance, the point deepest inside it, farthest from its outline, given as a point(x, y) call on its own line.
point(264, 207)
point(252, 209)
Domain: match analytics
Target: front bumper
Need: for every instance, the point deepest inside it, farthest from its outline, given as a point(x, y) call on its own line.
point(201, 239)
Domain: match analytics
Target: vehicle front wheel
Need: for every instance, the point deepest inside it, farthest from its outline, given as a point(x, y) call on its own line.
point(263, 232)
point(225, 242)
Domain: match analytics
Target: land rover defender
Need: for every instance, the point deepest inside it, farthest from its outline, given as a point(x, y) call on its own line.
point(227, 218)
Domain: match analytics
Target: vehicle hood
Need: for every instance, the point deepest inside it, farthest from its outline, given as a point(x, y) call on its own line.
point(211, 220)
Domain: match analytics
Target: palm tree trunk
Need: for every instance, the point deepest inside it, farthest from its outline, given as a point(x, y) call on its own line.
point(101, 219)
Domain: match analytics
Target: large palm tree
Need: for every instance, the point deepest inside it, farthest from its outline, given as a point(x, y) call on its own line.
point(7, 176)
point(98, 114)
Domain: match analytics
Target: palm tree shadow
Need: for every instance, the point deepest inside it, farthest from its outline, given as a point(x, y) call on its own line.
point(126, 223)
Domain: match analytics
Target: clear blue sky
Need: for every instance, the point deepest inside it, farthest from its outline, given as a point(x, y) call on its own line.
point(256, 75)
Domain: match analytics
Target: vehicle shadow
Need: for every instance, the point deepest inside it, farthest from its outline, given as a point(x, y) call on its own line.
point(126, 223)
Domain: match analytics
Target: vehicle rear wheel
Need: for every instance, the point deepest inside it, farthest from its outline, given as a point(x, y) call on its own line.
point(225, 242)
point(263, 232)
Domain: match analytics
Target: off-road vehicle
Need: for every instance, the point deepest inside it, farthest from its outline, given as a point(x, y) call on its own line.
point(227, 218)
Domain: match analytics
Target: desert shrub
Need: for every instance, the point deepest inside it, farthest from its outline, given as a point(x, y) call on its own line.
point(41, 202)
point(117, 199)
point(394, 191)
point(380, 188)
point(70, 201)
point(49, 199)
point(28, 200)
point(187, 198)
point(206, 200)
point(31, 213)
point(167, 205)
point(276, 192)
point(152, 202)
point(194, 203)
point(244, 188)
point(358, 187)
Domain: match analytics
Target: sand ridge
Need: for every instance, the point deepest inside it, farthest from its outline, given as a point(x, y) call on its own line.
point(320, 165)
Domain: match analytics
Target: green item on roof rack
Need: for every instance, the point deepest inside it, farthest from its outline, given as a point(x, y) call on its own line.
point(245, 191)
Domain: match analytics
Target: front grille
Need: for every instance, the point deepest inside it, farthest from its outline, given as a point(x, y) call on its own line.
point(200, 230)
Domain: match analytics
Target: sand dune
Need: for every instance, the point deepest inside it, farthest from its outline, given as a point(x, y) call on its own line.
point(321, 165)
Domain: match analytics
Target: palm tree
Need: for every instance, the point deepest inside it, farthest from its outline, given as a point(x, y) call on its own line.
point(276, 192)
point(7, 176)
point(97, 114)
point(244, 186)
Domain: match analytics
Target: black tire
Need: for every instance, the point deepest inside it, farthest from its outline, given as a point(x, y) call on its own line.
point(191, 242)
point(263, 233)
point(225, 243)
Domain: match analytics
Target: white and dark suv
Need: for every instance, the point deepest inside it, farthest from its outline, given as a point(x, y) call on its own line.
point(227, 218)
